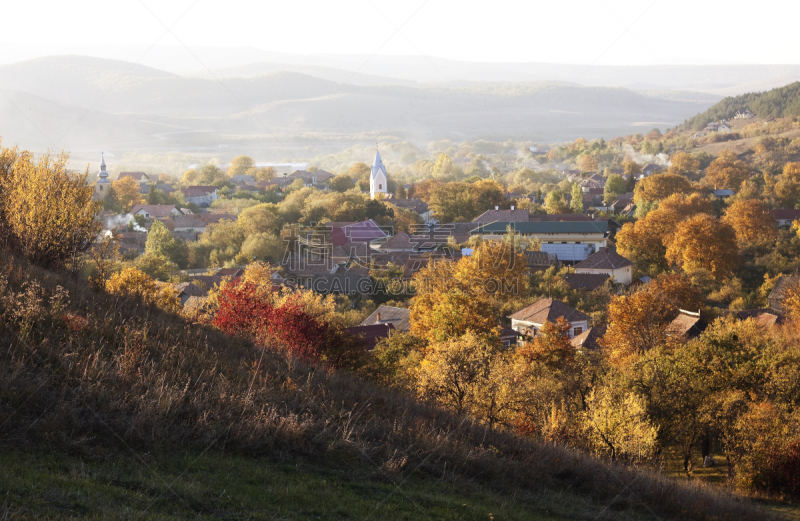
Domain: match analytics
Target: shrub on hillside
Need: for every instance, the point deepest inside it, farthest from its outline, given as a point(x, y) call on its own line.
point(47, 214)
point(244, 310)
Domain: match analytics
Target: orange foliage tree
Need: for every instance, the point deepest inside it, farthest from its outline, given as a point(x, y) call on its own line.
point(645, 241)
point(660, 186)
point(704, 242)
point(727, 171)
point(636, 323)
point(683, 163)
point(751, 221)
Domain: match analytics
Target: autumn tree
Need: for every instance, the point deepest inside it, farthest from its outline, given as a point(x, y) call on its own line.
point(486, 194)
point(618, 424)
point(678, 288)
point(260, 218)
point(704, 242)
point(360, 172)
point(444, 167)
point(131, 282)
point(554, 202)
point(470, 375)
point(47, 214)
point(631, 168)
point(660, 186)
point(645, 241)
point(727, 171)
point(683, 163)
point(127, 190)
point(190, 177)
point(636, 323)
point(262, 173)
point(587, 163)
point(751, 220)
point(454, 297)
point(240, 165)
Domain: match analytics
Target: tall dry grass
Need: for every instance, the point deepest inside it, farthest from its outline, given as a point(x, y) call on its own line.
point(81, 370)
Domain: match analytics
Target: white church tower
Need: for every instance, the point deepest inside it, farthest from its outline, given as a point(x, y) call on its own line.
point(377, 177)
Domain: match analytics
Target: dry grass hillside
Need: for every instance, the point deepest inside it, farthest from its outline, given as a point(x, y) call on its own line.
point(104, 397)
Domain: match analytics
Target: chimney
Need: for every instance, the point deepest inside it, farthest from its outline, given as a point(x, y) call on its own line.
point(512, 207)
point(496, 207)
point(606, 249)
point(378, 317)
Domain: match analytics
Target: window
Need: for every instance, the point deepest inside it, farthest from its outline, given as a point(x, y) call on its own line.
point(577, 331)
point(380, 187)
point(101, 188)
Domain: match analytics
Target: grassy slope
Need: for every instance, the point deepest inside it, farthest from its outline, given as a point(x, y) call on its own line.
point(212, 486)
point(136, 383)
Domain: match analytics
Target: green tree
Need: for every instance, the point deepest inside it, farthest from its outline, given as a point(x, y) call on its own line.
point(615, 186)
point(576, 204)
point(401, 192)
point(209, 175)
point(341, 183)
point(160, 241)
point(111, 201)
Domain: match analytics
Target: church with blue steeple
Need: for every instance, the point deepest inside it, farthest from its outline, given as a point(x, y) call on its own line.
point(377, 177)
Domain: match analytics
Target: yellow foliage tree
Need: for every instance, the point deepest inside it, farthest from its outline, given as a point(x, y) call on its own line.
point(660, 186)
point(727, 171)
point(190, 177)
point(127, 190)
point(619, 425)
point(704, 242)
point(751, 220)
point(469, 375)
point(240, 165)
point(47, 214)
point(131, 282)
point(683, 163)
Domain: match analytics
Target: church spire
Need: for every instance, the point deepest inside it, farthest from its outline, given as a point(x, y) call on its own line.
point(103, 174)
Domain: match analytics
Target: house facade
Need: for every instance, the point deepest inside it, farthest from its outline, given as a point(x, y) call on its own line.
point(200, 195)
point(571, 241)
point(529, 321)
point(607, 262)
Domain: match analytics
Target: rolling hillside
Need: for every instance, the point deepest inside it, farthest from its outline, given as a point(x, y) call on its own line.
point(112, 408)
point(133, 107)
point(776, 103)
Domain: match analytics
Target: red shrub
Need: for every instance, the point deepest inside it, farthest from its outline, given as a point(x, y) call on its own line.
point(243, 312)
point(780, 472)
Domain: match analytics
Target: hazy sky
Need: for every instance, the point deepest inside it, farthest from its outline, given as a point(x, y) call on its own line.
point(608, 32)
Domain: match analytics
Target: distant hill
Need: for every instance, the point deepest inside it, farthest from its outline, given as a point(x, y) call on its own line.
point(133, 107)
point(775, 103)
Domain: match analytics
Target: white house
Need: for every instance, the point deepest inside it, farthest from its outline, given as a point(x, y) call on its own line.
point(377, 177)
point(570, 240)
point(200, 195)
point(530, 320)
point(607, 262)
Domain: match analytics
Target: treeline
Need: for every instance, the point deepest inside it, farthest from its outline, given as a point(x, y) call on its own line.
point(776, 103)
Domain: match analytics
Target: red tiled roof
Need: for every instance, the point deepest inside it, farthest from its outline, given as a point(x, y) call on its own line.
point(548, 310)
point(605, 259)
